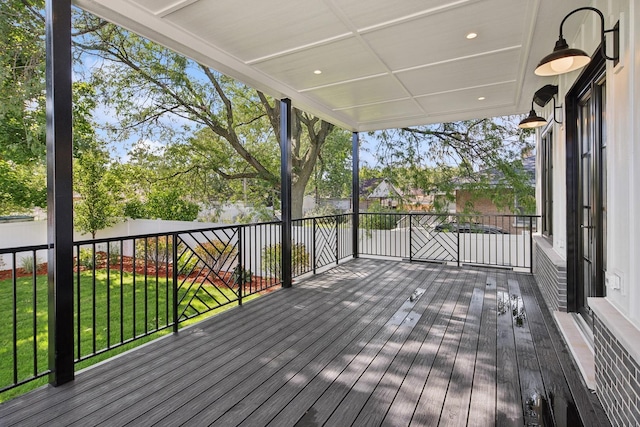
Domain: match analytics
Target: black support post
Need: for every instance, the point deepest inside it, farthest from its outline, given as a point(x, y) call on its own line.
point(59, 190)
point(285, 190)
point(355, 192)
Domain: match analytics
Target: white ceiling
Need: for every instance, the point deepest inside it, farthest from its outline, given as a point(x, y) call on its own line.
point(384, 63)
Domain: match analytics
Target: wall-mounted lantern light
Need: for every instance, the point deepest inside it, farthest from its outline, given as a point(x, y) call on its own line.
point(533, 120)
point(565, 59)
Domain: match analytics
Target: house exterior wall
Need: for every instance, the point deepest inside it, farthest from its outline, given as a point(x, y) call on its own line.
point(485, 206)
point(616, 367)
point(481, 204)
point(617, 377)
point(550, 271)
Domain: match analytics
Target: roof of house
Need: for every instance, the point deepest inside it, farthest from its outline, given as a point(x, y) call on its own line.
point(385, 190)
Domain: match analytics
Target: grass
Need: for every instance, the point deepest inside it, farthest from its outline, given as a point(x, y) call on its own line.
point(127, 307)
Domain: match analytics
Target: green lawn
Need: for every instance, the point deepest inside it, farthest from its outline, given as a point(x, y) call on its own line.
point(125, 306)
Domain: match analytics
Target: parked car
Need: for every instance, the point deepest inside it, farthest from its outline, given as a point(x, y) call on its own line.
point(454, 227)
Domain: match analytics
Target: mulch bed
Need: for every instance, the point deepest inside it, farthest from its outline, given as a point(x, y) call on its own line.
point(151, 269)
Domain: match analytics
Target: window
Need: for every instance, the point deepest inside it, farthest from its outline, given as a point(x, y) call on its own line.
point(546, 168)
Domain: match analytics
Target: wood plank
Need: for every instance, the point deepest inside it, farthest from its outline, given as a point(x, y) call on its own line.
point(572, 403)
point(508, 404)
point(531, 386)
point(404, 404)
point(308, 377)
point(429, 408)
point(482, 408)
point(456, 404)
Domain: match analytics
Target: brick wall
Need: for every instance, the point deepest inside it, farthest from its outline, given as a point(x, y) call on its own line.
point(485, 206)
point(480, 203)
point(550, 272)
point(617, 377)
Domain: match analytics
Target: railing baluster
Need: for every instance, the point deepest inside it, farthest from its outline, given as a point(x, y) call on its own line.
point(175, 281)
point(79, 304)
point(314, 227)
point(93, 297)
point(14, 283)
point(337, 240)
point(240, 276)
point(34, 314)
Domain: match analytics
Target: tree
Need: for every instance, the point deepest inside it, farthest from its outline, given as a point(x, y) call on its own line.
point(22, 111)
point(97, 207)
point(169, 205)
point(155, 90)
point(447, 156)
point(333, 170)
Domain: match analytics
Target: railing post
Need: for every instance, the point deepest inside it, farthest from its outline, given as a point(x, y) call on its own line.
point(240, 276)
point(175, 281)
point(458, 239)
point(355, 193)
point(531, 244)
point(313, 243)
point(410, 237)
point(59, 138)
point(285, 192)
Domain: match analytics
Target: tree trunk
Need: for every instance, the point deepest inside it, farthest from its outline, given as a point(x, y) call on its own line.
point(297, 198)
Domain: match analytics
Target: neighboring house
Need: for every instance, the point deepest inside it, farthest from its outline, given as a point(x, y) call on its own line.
point(468, 199)
point(416, 199)
point(387, 195)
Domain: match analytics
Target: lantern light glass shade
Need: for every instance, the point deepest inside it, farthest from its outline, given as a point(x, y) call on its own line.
point(533, 120)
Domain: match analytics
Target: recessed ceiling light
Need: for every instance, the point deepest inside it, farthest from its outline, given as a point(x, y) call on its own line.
point(472, 36)
point(317, 72)
point(482, 98)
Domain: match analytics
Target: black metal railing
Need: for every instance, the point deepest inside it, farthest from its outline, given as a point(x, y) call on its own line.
point(487, 240)
point(133, 287)
point(23, 299)
point(320, 242)
point(130, 288)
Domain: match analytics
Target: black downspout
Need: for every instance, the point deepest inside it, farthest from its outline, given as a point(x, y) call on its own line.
point(355, 192)
point(59, 190)
point(285, 191)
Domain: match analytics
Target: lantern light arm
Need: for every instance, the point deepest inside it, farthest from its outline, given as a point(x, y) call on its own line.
point(602, 30)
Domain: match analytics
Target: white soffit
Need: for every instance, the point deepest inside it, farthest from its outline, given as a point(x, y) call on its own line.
point(384, 64)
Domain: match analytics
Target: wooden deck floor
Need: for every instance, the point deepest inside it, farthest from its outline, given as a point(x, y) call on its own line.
point(357, 345)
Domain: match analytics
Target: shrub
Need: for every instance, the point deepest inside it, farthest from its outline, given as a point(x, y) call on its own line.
point(86, 258)
point(26, 263)
point(323, 210)
point(114, 253)
point(379, 219)
point(158, 249)
point(271, 256)
point(216, 253)
point(240, 275)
